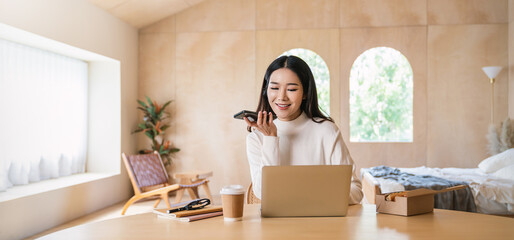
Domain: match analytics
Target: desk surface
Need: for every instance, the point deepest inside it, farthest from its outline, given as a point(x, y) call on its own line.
point(362, 222)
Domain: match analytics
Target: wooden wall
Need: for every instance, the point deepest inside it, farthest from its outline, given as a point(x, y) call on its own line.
point(210, 59)
point(511, 59)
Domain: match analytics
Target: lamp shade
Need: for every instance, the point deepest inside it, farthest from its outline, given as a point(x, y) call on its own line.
point(492, 71)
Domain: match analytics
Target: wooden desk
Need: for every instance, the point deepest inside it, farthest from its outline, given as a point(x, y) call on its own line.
point(361, 223)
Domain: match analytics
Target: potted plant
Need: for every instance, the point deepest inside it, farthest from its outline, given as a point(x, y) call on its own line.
point(153, 126)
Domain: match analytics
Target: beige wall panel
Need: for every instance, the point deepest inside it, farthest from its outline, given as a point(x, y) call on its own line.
point(511, 59)
point(166, 25)
point(411, 42)
point(270, 44)
point(459, 91)
point(467, 11)
point(511, 10)
point(142, 13)
point(193, 2)
point(107, 4)
point(511, 69)
point(296, 14)
point(157, 75)
point(379, 13)
point(218, 15)
point(215, 79)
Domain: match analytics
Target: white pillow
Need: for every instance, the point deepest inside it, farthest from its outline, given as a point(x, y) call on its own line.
point(498, 161)
point(34, 170)
point(19, 173)
point(506, 172)
point(49, 166)
point(65, 163)
point(4, 174)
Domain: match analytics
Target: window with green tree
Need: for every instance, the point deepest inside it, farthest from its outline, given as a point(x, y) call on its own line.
point(321, 75)
point(381, 97)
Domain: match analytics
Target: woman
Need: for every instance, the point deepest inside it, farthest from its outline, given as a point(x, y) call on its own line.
point(301, 134)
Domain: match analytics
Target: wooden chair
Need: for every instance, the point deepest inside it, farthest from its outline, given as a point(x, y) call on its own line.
point(250, 196)
point(150, 179)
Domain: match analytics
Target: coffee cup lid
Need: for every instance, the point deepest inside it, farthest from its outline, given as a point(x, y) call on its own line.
point(232, 190)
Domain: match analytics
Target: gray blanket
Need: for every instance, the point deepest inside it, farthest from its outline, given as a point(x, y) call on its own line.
point(461, 200)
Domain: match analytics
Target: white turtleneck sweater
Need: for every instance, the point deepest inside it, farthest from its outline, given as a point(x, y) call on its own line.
point(299, 142)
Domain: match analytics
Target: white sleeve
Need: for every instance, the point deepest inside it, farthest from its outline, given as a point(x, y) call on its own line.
point(341, 156)
point(261, 153)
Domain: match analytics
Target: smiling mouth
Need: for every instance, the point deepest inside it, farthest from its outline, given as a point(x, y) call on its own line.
point(282, 106)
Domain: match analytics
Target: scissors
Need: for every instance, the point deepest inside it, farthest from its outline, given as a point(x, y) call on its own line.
point(196, 204)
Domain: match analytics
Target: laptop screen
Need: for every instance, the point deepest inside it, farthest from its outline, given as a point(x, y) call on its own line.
point(294, 191)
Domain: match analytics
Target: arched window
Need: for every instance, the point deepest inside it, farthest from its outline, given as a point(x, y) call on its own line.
point(381, 96)
point(321, 75)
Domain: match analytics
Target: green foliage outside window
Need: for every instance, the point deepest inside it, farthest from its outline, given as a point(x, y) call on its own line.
point(381, 97)
point(321, 75)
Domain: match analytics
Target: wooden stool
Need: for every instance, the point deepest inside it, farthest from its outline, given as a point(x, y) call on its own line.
point(191, 178)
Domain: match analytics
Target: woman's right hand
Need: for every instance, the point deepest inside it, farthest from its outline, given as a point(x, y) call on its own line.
point(264, 124)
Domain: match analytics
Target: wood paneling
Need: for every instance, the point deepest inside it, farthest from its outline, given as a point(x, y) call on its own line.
point(296, 14)
point(215, 15)
point(511, 10)
point(223, 47)
point(107, 4)
point(459, 91)
point(214, 81)
point(166, 25)
point(467, 11)
point(379, 13)
point(143, 13)
point(511, 59)
point(157, 76)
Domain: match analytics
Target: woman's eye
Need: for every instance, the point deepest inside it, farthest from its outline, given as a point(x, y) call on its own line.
point(274, 88)
point(292, 90)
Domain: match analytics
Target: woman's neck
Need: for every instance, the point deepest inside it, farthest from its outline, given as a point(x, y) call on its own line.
point(292, 118)
point(292, 125)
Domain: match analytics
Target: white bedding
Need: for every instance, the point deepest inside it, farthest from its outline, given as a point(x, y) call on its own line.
point(492, 195)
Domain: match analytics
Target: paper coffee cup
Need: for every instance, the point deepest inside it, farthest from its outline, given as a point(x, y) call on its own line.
point(232, 200)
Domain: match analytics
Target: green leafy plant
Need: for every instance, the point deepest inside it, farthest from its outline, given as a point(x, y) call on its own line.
point(153, 126)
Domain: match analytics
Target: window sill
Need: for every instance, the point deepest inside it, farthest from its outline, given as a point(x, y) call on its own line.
point(51, 184)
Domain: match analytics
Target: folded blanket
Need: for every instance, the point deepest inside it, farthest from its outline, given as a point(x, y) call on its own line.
point(461, 200)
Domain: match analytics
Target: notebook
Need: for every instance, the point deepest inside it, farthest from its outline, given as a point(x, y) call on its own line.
point(186, 213)
point(162, 213)
point(305, 191)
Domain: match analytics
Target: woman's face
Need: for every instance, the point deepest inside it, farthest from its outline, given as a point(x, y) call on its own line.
point(285, 94)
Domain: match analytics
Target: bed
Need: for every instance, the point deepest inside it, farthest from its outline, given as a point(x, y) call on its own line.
point(491, 194)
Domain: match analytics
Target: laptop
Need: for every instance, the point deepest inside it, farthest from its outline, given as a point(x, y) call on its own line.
point(305, 191)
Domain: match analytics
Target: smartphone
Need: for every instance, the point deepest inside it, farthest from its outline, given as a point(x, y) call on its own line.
point(252, 116)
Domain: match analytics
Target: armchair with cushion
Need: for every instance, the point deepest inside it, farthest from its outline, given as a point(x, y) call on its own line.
point(149, 179)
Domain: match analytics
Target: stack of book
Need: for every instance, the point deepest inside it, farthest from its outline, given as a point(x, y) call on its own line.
point(190, 215)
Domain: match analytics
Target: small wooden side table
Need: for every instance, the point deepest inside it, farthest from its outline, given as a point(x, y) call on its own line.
point(191, 178)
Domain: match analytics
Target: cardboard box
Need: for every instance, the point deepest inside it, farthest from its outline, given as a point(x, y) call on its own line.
point(412, 202)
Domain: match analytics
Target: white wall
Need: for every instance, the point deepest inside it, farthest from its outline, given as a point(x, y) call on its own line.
point(80, 24)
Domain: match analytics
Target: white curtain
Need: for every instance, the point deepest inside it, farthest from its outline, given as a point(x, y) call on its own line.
point(43, 115)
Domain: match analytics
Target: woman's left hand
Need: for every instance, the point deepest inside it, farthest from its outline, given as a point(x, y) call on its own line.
point(264, 124)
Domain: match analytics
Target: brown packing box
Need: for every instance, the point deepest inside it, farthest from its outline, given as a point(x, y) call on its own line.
point(415, 201)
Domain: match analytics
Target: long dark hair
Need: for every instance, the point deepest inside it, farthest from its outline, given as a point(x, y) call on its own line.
point(310, 104)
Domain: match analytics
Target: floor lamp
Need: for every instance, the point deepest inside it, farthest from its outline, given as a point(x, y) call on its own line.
point(492, 72)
